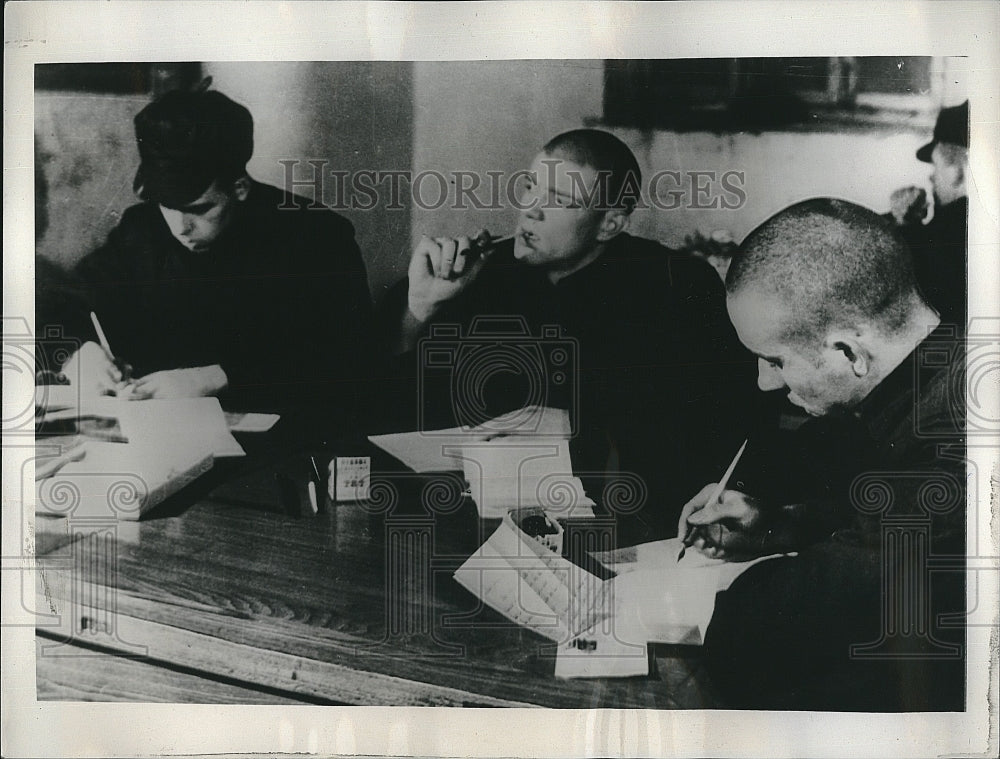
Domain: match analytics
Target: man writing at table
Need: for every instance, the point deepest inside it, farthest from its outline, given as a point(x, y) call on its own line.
point(659, 373)
point(824, 294)
point(217, 285)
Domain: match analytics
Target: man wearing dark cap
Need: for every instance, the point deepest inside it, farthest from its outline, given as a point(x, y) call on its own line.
point(218, 285)
point(939, 247)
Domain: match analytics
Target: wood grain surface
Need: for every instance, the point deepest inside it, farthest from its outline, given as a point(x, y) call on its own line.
point(230, 585)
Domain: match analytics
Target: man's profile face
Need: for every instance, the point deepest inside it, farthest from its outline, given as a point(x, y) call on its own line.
point(819, 381)
point(196, 225)
point(556, 229)
point(947, 179)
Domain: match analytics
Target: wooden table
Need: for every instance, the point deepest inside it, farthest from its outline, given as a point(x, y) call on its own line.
point(222, 594)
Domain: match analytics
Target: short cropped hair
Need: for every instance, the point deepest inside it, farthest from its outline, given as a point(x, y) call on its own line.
point(833, 263)
point(609, 157)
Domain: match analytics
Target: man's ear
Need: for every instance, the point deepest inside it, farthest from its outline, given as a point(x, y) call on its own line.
point(961, 168)
point(241, 188)
point(613, 224)
point(848, 345)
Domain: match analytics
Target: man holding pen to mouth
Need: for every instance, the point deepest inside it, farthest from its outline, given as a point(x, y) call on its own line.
point(648, 325)
point(824, 294)
point(218, 285)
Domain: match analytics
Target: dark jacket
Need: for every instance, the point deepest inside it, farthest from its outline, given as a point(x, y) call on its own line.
point(940, 257)
point(887, 524)
point(280, 301)
point(654, 377)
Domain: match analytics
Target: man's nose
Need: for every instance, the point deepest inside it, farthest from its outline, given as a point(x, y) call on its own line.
point(768, 376)
point(533, 210)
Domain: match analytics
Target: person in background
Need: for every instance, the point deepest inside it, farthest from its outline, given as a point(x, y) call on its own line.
point(824, 294)
point(940, 247)
point(661, 382)
point(218, 285)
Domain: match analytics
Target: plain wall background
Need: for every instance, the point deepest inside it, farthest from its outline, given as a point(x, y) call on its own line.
point(445, 116)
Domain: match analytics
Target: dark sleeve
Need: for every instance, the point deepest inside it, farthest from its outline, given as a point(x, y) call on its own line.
point(316, 347)
point(62, 317)
point(412, 393)
point(694, 410)
point(109, 277)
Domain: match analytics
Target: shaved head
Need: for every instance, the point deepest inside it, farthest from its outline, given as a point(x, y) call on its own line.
point(832, 263)
point(609, 156)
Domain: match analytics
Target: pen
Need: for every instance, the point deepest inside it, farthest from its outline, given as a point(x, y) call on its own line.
point(102, 338)
point(124, 368)
point(716, 495)
point(482, 244)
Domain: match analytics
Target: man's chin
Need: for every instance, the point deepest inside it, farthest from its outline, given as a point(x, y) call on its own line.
point(523, 252)
point(810, 410)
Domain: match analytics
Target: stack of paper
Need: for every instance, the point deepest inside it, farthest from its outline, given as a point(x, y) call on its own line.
point(190, 423)
point(169, 443)
point(119, 480)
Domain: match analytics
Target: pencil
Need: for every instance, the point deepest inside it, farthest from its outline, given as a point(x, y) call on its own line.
point(716, 495)
point(101, 336)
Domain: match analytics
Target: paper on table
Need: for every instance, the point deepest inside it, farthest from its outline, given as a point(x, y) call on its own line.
point(120, 480)
point(531, 585)
point(192, 423)
point(54, 397)
point(436, 450)
point(250, 422)
point(662, 555)
point(515, 472)
point(424, 454)
point(656, 599)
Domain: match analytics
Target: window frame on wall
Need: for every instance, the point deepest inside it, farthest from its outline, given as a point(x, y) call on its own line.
point(774, 94)
point(137, 78)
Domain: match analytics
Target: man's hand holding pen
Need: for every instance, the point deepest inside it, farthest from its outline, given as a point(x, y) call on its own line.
point(441, 268)
point(194, 382)
point(94, 371)
point(732, 526)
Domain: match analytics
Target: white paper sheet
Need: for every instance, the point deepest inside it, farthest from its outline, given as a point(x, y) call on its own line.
point(250, 422)
point(119, 481)
point(437, 450)
point(531, 585)
point(515, 472)
point(196, 424)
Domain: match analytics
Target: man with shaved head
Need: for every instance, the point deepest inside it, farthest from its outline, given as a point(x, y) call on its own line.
point(658, 385)
point(825, 296)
